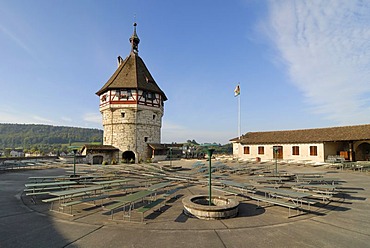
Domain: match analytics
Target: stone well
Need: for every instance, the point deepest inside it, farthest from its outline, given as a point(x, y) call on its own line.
point(222, 207)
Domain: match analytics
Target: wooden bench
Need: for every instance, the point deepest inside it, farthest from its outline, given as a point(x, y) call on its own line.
point(324, 195)
point(274, 202)
point(84, 200)
point(228, 191)
point(171, 192)
point(148, 207)
point(124, 187)
point(115, 206)
point(38, 193)
point(59, 198)
point(45, 188)
point(307, 201)
point(130, 199)
point(51, 199)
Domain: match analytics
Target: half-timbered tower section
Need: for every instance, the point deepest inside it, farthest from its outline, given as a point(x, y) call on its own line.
point(132, 106)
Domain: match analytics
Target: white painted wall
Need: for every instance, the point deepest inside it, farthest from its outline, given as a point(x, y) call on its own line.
point(304, 152)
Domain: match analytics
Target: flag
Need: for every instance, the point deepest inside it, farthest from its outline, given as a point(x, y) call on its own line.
point(237, 90)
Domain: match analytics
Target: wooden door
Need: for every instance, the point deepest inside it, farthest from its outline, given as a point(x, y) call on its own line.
point(278, 152)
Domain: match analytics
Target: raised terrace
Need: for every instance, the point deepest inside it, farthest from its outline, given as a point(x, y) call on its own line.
point(141, 205)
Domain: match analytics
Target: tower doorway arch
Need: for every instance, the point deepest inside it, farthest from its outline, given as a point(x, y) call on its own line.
point(363, 152)
point(128, 157)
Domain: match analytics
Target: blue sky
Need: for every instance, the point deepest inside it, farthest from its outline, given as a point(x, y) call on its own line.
point(300, 64)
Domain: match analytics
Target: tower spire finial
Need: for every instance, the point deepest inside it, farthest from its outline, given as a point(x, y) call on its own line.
point(134, 40)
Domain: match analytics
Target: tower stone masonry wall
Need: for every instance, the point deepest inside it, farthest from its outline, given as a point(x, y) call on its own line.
point(131, 128)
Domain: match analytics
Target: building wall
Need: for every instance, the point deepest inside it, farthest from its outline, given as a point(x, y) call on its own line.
point(304, 152)
point(129, 127)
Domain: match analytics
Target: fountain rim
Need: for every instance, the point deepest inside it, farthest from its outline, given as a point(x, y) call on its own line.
point(189, 202)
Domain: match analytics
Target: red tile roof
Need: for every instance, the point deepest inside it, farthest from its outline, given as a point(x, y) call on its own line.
point(132, 74)
point(344, 133)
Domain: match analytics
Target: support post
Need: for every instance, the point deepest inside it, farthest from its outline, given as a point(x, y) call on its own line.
point(171, 157)
point(74, 162)
point(210, 152)
point(276, 149)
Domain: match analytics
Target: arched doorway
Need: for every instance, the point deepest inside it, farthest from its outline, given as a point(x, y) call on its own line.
point(98, 159)
point(363, 152)
point(128, 157)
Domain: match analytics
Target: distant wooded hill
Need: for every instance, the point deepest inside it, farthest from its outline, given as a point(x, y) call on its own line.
point(27, 135)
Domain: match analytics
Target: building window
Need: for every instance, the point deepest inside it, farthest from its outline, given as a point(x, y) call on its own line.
point(125, 95)
point(149, 95)
point(295, 150)
point(146, 139)
point(153, 117)
point(246, 149)
point(261, 150)
point(313, 150)
point(123, 114)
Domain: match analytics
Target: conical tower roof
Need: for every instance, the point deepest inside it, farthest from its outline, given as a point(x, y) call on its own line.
point(132, 73)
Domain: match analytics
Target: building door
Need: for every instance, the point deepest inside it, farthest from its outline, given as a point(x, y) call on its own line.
point(278, 152)
point(363, 152)
point(98, 159)
point(128, 157)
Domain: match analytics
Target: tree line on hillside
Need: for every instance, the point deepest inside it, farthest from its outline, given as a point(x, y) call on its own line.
point(202, 148)
point(44, 138)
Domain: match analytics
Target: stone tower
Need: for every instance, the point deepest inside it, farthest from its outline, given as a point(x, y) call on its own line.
point(132, 106)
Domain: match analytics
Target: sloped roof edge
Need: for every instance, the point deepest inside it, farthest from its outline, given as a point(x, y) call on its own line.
point(341, 133)
point(132, 73)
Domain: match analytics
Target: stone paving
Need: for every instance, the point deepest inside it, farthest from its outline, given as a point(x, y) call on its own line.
point(345, 222)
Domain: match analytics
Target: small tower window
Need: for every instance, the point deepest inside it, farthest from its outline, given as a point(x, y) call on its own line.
point(146, 139)
point(123, 114)
point(153, 117)
point(129, 94)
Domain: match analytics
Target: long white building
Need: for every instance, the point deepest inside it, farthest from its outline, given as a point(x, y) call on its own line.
point(352, 143)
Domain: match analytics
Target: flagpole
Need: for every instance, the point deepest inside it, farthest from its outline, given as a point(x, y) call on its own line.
point(239, 126)
point(237, 94)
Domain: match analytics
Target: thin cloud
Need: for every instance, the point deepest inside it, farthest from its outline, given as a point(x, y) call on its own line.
point(324, 45)
point(10, 117)
point(66, 119)
point(17, 40)
point(93, 118)
point(42, 120)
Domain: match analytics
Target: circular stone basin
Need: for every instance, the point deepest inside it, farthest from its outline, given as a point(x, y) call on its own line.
point(198, 206)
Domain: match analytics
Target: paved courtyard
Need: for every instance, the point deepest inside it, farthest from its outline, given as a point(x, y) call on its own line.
point(344, 222)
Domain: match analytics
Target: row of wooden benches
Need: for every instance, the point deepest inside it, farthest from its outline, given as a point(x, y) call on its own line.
point(146, 207)
point(277, 200)
point(115, 206)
